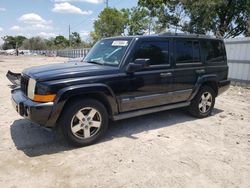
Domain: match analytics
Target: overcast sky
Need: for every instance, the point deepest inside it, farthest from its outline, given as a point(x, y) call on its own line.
point(48, 18)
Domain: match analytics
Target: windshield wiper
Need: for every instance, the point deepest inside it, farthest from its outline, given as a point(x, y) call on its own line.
point(99, 63)
point(94, 62)
point(110, 64)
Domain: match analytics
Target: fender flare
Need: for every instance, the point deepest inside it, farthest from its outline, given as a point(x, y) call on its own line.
point(68, 92)
point(200, 81)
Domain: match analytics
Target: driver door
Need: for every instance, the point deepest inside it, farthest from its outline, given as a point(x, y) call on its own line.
point(149, 87)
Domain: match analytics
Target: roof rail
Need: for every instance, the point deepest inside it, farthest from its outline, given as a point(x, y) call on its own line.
point(186, 35)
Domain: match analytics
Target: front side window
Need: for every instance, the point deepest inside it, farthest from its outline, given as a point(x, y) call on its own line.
point(107, 52)
point(187, 51)
point(156, 51)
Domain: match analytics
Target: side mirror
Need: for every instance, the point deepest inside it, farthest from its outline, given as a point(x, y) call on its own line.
point(138, 64)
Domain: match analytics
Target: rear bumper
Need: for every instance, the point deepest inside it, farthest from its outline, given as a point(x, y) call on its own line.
point(36, 112)
point(223, 86)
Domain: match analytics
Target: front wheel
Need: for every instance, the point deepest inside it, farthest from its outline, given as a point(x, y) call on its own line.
point(84, 122)
point(203, 103)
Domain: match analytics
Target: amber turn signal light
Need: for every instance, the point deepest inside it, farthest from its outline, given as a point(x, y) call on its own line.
point(44, 98)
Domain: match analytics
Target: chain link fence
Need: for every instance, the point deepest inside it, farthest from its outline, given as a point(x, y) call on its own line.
point(70, 53)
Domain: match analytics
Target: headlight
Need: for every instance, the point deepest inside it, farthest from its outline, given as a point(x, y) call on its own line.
point(31, 88)
point(43, 97)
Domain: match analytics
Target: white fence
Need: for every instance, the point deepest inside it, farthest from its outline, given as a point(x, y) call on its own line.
point(238, 55)
point(71, 53)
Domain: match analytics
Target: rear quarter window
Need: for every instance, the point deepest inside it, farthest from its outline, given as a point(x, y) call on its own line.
point(214, 51)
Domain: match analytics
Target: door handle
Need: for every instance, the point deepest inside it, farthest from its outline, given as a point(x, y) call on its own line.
point(166, 74)
point(200, 71)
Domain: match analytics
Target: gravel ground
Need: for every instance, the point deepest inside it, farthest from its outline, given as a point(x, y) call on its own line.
point(166, 149)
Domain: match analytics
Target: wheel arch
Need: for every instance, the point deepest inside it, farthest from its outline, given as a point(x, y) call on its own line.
point(92, 95)
point(99, 92)
point(208, 80)
point(213, 84)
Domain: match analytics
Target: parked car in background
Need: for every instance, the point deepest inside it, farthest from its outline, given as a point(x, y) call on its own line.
point(124, 77)
point(10, 52)
point(3, 52)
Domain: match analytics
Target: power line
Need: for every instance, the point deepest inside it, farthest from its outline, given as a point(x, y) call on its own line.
point(69, 37)
point(95, 10)
point(76, 25)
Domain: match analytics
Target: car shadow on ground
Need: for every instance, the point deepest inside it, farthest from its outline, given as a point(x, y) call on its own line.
point(35, 141)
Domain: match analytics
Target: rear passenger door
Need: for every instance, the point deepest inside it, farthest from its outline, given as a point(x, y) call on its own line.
point(188, 67)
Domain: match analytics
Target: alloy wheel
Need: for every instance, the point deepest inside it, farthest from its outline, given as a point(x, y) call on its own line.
point(205, 102)
point(86, 123)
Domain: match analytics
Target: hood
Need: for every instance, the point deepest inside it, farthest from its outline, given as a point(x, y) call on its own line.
point(67, 70)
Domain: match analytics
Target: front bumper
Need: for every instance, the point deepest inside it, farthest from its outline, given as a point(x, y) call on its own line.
point(34, 111)
point(223, 86)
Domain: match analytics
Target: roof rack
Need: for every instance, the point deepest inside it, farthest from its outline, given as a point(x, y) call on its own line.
point(186, 35)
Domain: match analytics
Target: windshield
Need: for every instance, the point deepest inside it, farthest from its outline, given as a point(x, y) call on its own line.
point(107, 52)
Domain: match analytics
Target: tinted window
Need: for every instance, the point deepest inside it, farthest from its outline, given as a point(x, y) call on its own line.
point(196, 51)
point(184, 53)
point(156, 51)
point(187, 51)
point(213, 51)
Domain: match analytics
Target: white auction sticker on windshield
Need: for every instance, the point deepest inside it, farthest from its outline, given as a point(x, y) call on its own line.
point(120, 43)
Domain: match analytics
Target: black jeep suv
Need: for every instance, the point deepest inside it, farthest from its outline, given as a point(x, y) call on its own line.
point(123, 77)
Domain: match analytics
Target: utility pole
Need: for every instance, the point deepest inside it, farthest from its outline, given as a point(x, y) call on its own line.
point(150, 23)
point(107, 3)
point(69, 37)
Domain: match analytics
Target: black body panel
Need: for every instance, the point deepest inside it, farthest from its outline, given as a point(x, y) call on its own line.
point(125, 94)
point(36, 112)
point(66, 71)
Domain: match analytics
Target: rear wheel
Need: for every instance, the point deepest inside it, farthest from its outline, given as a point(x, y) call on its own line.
point(203, 103)
point(84, 122)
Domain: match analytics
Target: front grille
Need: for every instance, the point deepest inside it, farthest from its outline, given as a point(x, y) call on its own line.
point(24, 84)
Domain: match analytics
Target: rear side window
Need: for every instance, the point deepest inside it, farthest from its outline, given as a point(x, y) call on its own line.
point(187, 51)
point(213, 51)
point(156, 51)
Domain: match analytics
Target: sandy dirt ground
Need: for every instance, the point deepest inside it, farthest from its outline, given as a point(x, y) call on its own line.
point(166, 149)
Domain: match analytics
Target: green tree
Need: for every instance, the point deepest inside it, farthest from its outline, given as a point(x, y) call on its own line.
point(110, 22)
point(11, 42)
point(86, 44)
point(94, 36)
point(247, 34)
point(137, 20)
point(34, 43)
point(166, 14)
point(225, 18)
point(75, 39)
point(50, 43)
point(61, 42)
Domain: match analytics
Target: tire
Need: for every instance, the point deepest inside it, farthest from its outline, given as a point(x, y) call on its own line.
point(201, 107)
point(83, 122)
